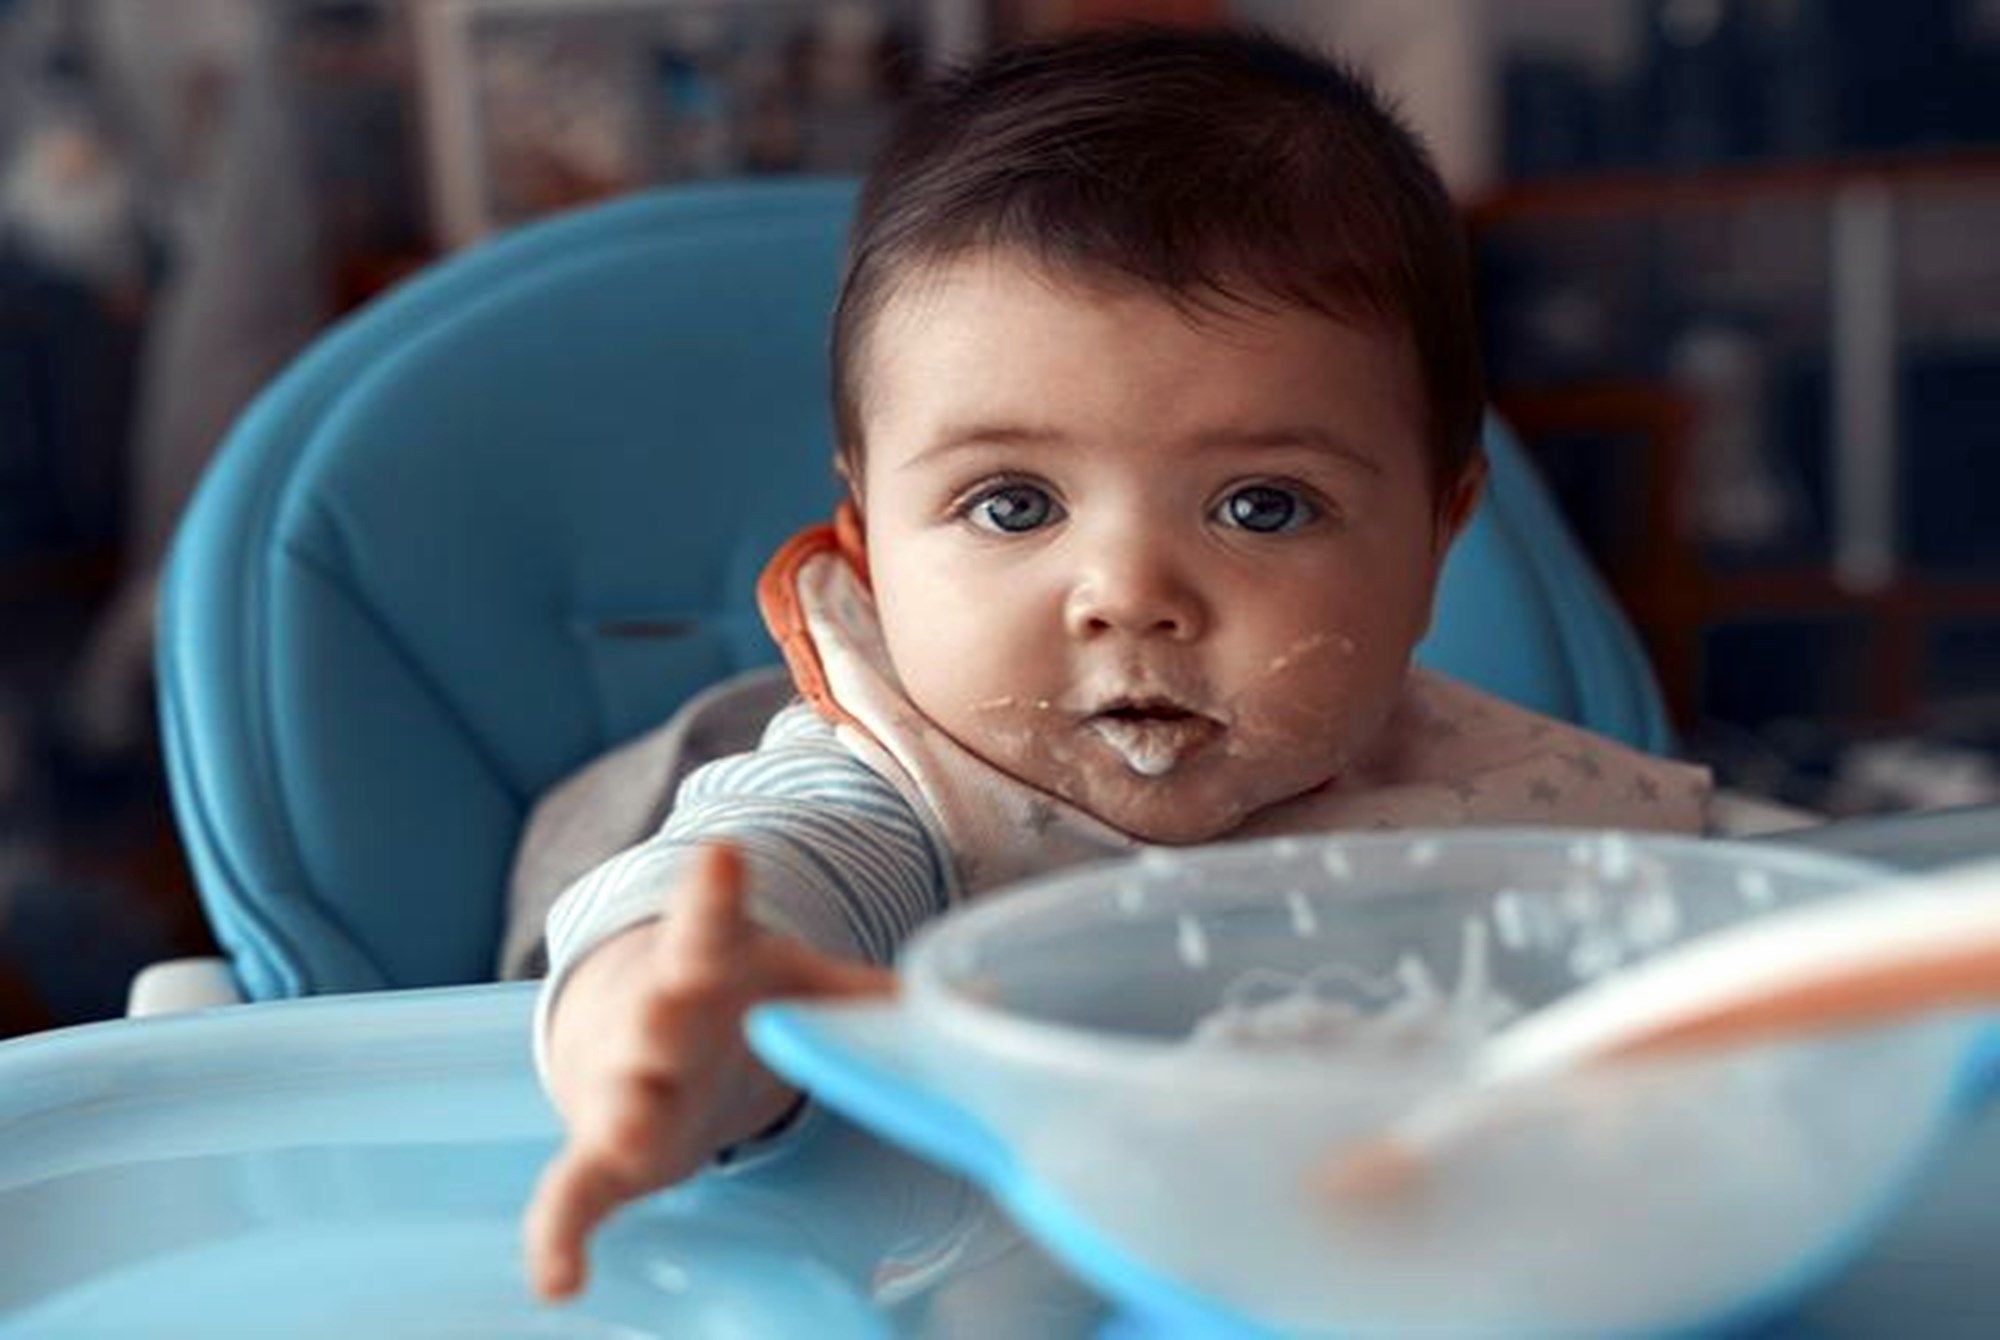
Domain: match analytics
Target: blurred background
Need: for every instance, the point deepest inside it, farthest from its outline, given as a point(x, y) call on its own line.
point(1739, 281)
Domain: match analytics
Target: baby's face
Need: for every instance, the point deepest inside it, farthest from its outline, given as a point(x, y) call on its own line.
point(1172, 572)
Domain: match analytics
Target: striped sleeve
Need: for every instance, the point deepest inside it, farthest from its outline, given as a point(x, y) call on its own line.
point(836, 857)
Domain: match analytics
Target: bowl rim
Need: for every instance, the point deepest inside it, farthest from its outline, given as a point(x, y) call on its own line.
point(962, 1018)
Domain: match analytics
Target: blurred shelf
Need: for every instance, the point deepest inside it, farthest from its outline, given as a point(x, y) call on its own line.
point(1681, 596)
point(1830, 321)
point(1813, 591)
point(1732, 184)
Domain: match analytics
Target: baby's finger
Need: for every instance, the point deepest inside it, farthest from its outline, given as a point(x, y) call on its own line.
point(574, 1195)
point(707, 922)
point(811, 973)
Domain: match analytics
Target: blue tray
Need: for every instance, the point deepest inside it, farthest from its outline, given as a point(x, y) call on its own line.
point(355, 1166)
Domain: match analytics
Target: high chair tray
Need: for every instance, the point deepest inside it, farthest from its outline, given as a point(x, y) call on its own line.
point(356, 1166)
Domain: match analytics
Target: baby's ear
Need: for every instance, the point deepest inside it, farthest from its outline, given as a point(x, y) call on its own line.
point(1459, 501)
point(849, 526)
point(849, 474)
point(850, 537)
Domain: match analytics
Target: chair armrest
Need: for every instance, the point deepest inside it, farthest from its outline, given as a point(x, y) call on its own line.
point(181, 984)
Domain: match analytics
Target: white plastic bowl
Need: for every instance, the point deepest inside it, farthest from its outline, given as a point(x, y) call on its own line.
point(1041, 1044)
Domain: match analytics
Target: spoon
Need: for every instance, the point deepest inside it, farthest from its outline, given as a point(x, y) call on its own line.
point(1912, 946)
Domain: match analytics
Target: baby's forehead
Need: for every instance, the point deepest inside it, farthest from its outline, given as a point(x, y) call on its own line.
point(1216, 293)
point(961, 361)
point(1220, 302)
point(998, 345)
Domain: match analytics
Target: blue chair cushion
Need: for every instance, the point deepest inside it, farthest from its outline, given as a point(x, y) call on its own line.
point(499, 520)
point(1523, 614)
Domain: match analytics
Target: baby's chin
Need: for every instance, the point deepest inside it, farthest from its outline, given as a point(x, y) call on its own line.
point(1176, 832)
point(1201, 799)
point(1161, 811)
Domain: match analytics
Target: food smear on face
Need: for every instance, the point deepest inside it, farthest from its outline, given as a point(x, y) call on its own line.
point(1150, 746)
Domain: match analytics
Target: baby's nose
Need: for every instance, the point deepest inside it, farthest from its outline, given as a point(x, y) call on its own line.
point(1136, 595)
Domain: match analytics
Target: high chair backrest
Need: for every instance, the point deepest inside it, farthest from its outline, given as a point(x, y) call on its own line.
point(512, 514)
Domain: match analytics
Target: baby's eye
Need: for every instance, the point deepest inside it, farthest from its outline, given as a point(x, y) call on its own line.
point(1011, 509)
point(1265, 509)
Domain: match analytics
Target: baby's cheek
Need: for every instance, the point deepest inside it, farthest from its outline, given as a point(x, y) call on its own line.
point(1307, 671)
point(1321, 715)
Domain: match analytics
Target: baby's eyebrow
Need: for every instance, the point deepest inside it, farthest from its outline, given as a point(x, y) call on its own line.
point(1286, 439)
point(967, 436)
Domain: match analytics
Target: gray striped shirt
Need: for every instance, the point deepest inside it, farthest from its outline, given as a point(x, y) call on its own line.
point(836, 856)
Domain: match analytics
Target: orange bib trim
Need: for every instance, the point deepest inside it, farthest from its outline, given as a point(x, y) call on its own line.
point(784, 616)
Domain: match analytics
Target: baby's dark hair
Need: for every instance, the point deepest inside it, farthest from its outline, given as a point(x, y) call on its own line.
point(1216, 167)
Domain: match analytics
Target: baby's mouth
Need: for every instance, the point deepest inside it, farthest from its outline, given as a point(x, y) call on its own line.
point(1151, 735)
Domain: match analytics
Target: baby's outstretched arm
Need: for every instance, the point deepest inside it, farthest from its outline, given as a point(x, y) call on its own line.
point(647, 1061)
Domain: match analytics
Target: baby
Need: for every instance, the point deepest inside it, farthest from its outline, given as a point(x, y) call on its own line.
point(1158, 401)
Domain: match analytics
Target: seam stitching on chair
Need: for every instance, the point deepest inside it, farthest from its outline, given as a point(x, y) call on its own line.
point(270, 939)
point(324, 907)
point(271, 488)
point(400, 650)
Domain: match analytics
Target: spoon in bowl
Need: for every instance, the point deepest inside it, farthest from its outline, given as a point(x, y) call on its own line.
point(1912, 946)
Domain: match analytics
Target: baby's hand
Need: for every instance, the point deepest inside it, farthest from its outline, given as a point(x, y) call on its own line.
point(648, 1064)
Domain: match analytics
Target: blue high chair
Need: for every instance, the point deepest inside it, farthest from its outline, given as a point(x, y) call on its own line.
point(513, 514)
point(498, 522)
